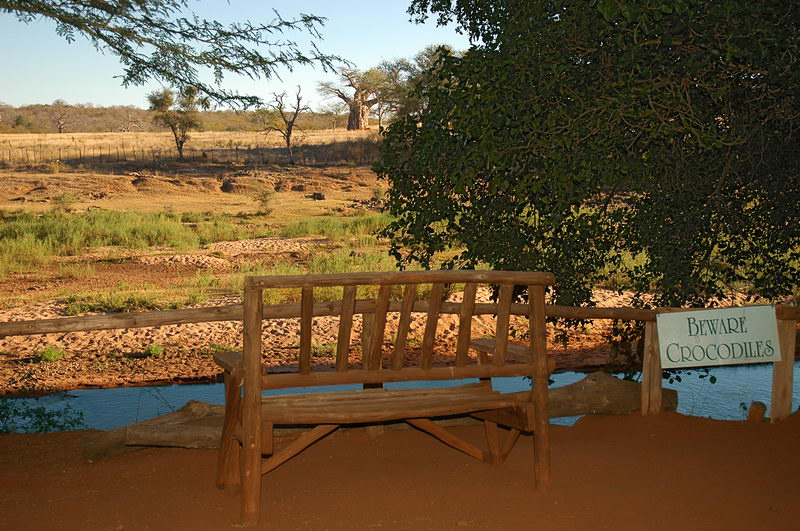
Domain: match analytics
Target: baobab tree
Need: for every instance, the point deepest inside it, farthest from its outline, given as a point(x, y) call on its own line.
point(58, 115)
point(359, 91)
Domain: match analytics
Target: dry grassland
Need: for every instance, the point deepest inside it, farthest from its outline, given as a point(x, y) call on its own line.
point(314, 147)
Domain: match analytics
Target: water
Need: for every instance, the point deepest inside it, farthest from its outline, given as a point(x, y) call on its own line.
point(107, 409)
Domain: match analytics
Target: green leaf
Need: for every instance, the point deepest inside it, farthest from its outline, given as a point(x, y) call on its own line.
point(608, 8)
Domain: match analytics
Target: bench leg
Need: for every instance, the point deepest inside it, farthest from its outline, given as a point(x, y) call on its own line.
point(492, 442)
point(541, 456)
point(511, 440)
point(229, 447)
point(430, 427)
point(296, 446)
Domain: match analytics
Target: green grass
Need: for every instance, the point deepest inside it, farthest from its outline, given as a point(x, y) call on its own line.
point(154, 350)
point(51, 353)
point(122, 298)
point(336, 228)
point(32, 240)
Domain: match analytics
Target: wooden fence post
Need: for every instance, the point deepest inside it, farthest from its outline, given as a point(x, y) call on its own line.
point(651, 371)
point(782, 371)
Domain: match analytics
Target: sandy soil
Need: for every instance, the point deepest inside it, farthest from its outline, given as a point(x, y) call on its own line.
point(666, 472)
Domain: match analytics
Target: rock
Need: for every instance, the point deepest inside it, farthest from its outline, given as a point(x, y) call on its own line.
point(299, 188)
point(317, 196)
point(228, 186)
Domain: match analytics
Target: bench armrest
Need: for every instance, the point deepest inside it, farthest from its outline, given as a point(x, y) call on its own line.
point(231, 361)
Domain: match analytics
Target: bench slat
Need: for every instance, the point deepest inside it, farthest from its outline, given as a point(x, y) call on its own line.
point(434, 309)
point(379, 327)
point(306, 315)
point(345, 327)
point(501, 330)
point(403, 325)
point(407, 374)
point(377, 405)
point(465, 323)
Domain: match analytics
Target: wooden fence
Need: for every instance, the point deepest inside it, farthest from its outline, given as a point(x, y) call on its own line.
point(355, 151)
point(787, 316)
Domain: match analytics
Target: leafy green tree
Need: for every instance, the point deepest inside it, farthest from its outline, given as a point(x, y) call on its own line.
point(179, 114)
point(158, 40)
point(408, 80)
point(654, 139)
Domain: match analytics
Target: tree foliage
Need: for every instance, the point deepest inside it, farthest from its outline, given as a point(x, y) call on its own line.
point(654, 139)
point(178, 112)
point(158, 40)
point(408, 80)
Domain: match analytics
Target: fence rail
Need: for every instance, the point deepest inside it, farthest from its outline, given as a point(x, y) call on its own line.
point(360, 151)
point(651, 367)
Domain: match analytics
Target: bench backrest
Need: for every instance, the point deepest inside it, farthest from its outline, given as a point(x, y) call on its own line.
point(404, 286)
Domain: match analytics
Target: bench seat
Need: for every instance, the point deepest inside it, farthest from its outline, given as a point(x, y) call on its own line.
point(379, 405)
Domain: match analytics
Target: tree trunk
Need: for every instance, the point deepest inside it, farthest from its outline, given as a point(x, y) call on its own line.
point(289, 149)
point(359, 116)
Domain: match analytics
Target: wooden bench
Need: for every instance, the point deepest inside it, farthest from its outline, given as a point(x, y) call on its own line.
point(250, 417)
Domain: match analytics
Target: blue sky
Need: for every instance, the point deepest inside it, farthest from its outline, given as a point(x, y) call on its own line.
point(38, 66)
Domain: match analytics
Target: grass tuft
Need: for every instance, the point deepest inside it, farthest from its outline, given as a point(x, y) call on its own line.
point(51, 353)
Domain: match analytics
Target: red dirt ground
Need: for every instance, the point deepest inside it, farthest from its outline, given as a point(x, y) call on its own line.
point(627, 472)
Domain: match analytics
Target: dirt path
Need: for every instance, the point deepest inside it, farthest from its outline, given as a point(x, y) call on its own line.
point(657, 473)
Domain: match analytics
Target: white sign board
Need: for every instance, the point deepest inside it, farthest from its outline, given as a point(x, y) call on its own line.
point(727, 336)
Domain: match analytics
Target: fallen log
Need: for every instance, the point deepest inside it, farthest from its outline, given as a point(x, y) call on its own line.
point(199, 424)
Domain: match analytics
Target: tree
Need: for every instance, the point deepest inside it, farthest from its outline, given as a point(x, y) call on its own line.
point(652, 141)
point(129, 123)
point(407, 80)
point(282, 117)
point(58, 115)
point(358, 90)
point(179, 115)
point(334, 110)
point(158, 40)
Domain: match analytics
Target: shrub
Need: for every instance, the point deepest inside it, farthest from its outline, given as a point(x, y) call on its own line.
point(51, 353)
point(17, 416)
point(55, 166)
point(154, 349)
point(264, 197)
point(64, 203)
